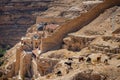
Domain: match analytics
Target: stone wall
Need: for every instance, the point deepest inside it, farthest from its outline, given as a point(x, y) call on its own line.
point(54, 41)
point(50, 20)
point(25, 65)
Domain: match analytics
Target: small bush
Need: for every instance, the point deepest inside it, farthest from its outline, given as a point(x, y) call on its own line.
point(2, 52)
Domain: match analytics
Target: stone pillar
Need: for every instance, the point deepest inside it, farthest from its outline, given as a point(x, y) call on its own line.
point(35, 72)
point(25, 64)
point(17, 63)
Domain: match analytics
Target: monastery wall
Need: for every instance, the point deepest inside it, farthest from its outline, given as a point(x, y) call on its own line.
point(54, 41)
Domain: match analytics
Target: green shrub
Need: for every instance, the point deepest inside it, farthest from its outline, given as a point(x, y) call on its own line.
point(2, 52)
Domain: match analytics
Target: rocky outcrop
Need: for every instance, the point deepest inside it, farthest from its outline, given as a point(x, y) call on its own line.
point(48, 66)
point(54, 41)
point(26, 64)
point(20, 66)
point(88, 76)
point(76, 43)
point(107, 44)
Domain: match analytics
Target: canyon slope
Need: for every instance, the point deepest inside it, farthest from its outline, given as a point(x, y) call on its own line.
point(70, 40)
point(16, 17)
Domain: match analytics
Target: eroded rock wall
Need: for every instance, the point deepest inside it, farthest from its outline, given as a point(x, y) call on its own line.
point(16, 17)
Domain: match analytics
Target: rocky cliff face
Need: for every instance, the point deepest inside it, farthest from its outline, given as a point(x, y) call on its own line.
point(87, 55)
point(17, 16)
